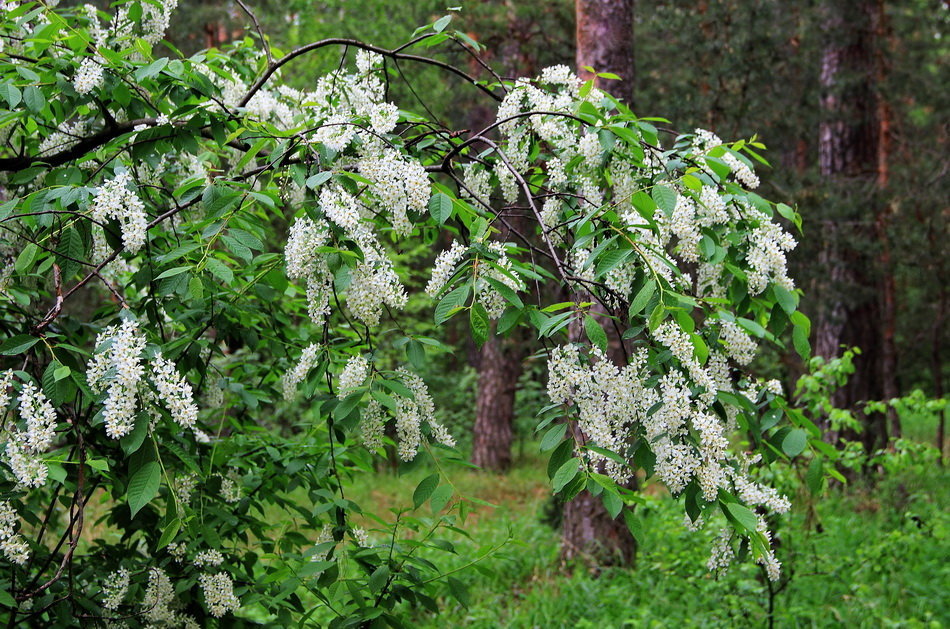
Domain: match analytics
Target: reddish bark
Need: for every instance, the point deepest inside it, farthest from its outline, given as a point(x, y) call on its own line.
point(604, 42)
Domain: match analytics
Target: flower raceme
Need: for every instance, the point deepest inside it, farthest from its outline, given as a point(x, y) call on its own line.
point(204, 163)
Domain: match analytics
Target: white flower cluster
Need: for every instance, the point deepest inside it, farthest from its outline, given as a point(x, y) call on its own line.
point(12, 544)
point(219, 595)
point(308, 360)
point(742, 171)
point(231, 491)
point(115, 588)
point(410, 414)
point(739, 345)
point(208, 558)
point(444, 268)
point(498, 270)
point(175, 391)
point(27, 442)
point(324, 537)
point(90, 73)
point(115, 199)
point(304, 262)
point(399, 184)
point(360, 537)
point(353, 376)
point(768, 244)
point(615, 404)
point(117, 369)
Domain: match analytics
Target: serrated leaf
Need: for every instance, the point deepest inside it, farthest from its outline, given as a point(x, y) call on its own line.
point(665, 198)
point(145, 476)
point(379, 579)
point(595, 333)
point(478, 319)
point(454, 299)
point(25, 260)
point(565, 474)
point(505, 291)
point(740, 515)
point(800, 334)
point(441, 23)
point(440, 207)
point(440, 498)
point(34, 99)
point(642, 298)
point(424, 490)
point(178, 270)
point(786, 299)
point(416, 353)
point(18, 344)
point(552, 437)
point(794, 442)
point(633, 525)
point(169, 533)
point(814, 477)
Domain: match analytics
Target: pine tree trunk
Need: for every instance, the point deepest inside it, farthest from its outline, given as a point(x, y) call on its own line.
point(604, 39)
point(857, 298)
point(498, 371)
point(499, 361)
point(605, 43)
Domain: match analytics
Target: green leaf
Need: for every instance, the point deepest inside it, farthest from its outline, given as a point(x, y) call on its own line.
point(440, 498)
point(642, 298)
point(18, 344)
point(315, 181)
point(553, 437)
point(424, 490)
point(379, 579)
point(440, 206)
point(814, 476)
point(740, 515)
point(151, 69)
point(34, 98)
point(665, 198)
point(800, 334)
point(566, 473)
point(416, 353)
point(178, 270)
point(441, 23)
point(454, 299)
point(612, 503)
point(633, 525)
point(786, 299)
point(169, 533)
point(794, 442)
point(478, 319)
point(220, 270)
point(145, 475)
point(11, 94)
point(505, 291)
point(131, 442)
point(595, 333)
point(25, 260)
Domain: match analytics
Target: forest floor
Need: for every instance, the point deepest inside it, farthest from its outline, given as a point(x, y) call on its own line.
point(874, 553)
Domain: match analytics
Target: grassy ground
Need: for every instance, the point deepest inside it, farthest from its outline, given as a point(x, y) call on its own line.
point(877, 558)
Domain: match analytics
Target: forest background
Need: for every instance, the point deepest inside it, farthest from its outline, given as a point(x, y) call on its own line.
point(868, 550)
point(872, 265)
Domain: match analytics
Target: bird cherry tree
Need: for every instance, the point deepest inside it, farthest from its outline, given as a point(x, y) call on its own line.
point(200, 276)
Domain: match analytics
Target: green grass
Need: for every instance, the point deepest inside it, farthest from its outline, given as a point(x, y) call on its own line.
point(878, 559)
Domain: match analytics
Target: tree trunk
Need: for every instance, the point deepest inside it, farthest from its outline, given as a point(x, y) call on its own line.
point(856, 307)
point(498, 371)
point(605, 43)
point(499, 361)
